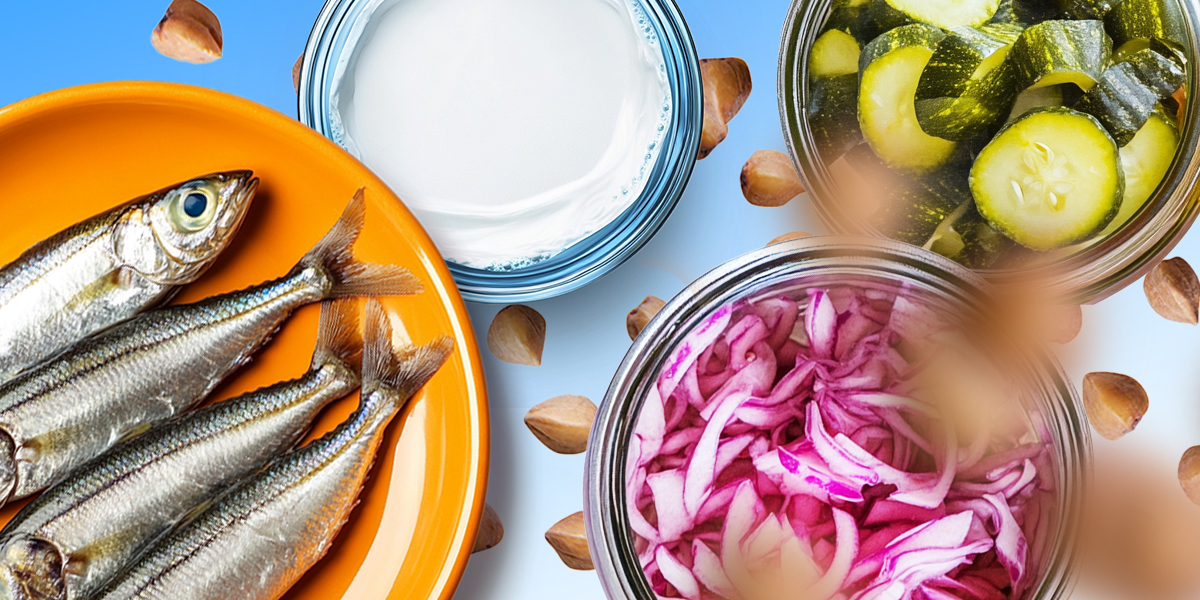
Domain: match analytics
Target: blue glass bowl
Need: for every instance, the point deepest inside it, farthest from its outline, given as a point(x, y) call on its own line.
point(330, 47)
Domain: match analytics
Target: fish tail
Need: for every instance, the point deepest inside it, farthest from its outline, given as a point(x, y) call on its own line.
point(399, 371)
point(349, 277)
point(338, 337)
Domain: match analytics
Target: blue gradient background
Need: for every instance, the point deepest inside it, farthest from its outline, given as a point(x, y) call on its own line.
point(48, 45)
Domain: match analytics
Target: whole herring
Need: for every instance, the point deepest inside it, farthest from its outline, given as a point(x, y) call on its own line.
point(258, 539)
point(114, 265)
point(78, 534)
point(66, 411)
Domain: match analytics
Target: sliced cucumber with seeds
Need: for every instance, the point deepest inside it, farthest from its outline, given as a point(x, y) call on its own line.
point(834, 53)
point(892, 67)
point(1146, 161)
point(1049, 179)
point(948, 14)
point(1058, 52)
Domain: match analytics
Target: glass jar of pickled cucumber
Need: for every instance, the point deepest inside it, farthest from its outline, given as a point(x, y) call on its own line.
point(1042, 143)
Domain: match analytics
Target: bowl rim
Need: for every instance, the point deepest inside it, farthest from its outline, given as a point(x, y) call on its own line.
point(598, 254)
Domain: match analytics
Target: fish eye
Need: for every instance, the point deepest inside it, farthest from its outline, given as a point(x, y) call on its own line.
point(192, 209)
point(194, 204)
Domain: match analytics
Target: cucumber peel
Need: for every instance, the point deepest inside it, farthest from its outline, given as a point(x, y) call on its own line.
point(1129, 92)
point(968, 88)
point(1058, 52)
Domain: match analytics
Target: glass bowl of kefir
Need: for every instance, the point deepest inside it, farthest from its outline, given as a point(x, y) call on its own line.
point(541, 143)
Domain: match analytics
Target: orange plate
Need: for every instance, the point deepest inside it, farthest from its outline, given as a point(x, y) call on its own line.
point(72, 153)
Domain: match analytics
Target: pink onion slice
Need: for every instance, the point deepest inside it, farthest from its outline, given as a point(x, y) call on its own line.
point(789, 436)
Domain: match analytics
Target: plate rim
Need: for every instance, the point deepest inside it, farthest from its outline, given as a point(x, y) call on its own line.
point(178, 94)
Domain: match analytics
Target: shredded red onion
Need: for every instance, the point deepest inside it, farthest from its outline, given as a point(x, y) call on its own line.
point(783, 453)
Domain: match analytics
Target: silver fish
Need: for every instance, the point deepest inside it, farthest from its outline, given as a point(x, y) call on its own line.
point(258, 539)
point(79, 533)
point(114, 265)
point(66, 411)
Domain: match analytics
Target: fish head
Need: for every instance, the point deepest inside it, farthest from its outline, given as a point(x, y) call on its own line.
point(173, 235)
point(31, 569)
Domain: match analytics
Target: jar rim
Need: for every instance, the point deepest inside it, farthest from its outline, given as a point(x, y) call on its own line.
point(1085, 276)
point(331, 47)
point(610, 537)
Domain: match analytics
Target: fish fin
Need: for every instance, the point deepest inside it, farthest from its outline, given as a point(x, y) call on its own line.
point(338, 337)
point(350, 277)
point(400, 370)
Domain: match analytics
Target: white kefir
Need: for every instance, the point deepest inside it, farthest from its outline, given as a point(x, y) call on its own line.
point(512, 128)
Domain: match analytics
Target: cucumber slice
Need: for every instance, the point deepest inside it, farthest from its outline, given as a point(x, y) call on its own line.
point(1143, 19)
point(946, 240)
point(1086, 9)
point(906, 36)
point(1058, 52)
point(833, 114)
point(891, 69)
point(916, 209)
point(1129, 92)
point(834, 53)
point(965, 57)
point(850, 17)
point(948, 14)
point(1146, 161)
point(1024, 12)
point(1051, 178)
point(967, 89)
point(983, 246)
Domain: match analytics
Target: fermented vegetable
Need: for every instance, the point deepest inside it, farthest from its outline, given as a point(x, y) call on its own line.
point(785, 450)
point(1129, 91)
point(938, 101)
point(948, 14)
point(834, 53)
point(968, 88)
point(891, 70)
point(1146, 161)
point(1050, 179)
point(1057, 52)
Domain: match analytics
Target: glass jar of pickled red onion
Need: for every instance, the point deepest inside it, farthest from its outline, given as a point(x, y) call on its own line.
point(762, 418)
